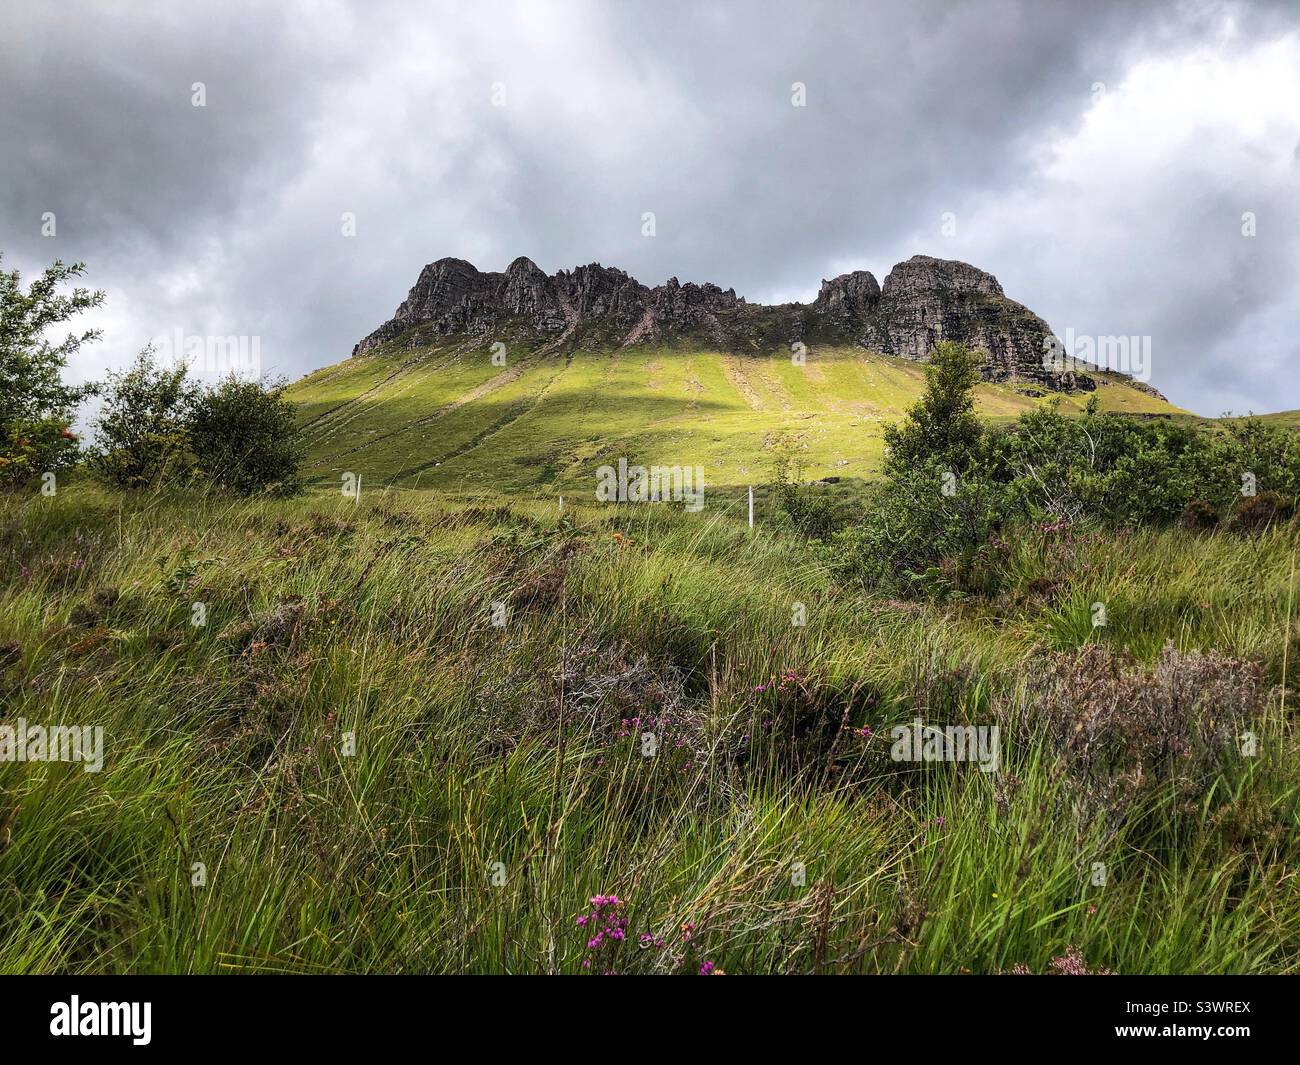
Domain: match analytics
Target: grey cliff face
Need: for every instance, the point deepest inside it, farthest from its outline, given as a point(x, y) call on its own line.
point(922, 302)
point(850, 297)
point(925, 301)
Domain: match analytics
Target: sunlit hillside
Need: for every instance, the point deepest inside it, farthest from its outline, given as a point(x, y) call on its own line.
point(448, 417)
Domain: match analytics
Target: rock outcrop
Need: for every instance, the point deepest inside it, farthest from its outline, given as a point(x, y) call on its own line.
point(922, 302)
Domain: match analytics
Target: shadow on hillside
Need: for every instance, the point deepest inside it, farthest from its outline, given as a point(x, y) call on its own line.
point(542, 427)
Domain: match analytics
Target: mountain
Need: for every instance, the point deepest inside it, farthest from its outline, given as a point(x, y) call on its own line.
point(923, 301)
point(525, 382)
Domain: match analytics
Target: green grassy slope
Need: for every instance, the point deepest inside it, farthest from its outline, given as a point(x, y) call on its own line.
point(447, 418)
point(1282, 417)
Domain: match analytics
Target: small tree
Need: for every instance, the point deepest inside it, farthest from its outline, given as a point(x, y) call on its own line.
point(142, 435)
point(36, 406)
point(941, 427)
point(929, 523)
point(246, 437)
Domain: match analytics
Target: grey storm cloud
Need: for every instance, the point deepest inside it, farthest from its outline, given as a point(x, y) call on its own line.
point(1099, 158)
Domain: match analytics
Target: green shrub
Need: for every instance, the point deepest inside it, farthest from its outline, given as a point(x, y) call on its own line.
point(157, 428)
point(245, 437)
point(1119, 470)
point(1107, 467)
point(31, 448)
point(921, 540)
point(142, 439)
point(1266, 456)
point(931, 521)
point(952, 488)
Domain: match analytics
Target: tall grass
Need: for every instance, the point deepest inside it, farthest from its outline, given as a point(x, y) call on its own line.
point(495, 789)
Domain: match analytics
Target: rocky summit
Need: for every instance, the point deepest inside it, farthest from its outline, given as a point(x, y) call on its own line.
point(922, 302)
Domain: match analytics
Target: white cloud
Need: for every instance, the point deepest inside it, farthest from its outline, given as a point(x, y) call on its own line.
point(1131, 223)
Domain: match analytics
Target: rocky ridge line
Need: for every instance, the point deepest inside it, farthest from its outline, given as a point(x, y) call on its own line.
point(922, 302)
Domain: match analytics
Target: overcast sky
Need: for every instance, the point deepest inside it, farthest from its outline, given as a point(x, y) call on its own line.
point(1097, 157)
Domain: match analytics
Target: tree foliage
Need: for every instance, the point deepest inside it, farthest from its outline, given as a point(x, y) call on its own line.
point(142, 436)
point(36, 405)
point(246, 437)
point(158, 428)
point(942, 426)
point(953, 489)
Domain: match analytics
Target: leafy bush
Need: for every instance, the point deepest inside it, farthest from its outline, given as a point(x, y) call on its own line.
point(1107, 466)
point(1269, 454)
point(919, 541)
point(951, 486)
point(245, 436)
point(36, 406)
point(31, 448)
point(932, 520)
point(1120, 470)
point(159, 428)
point(142, 439)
